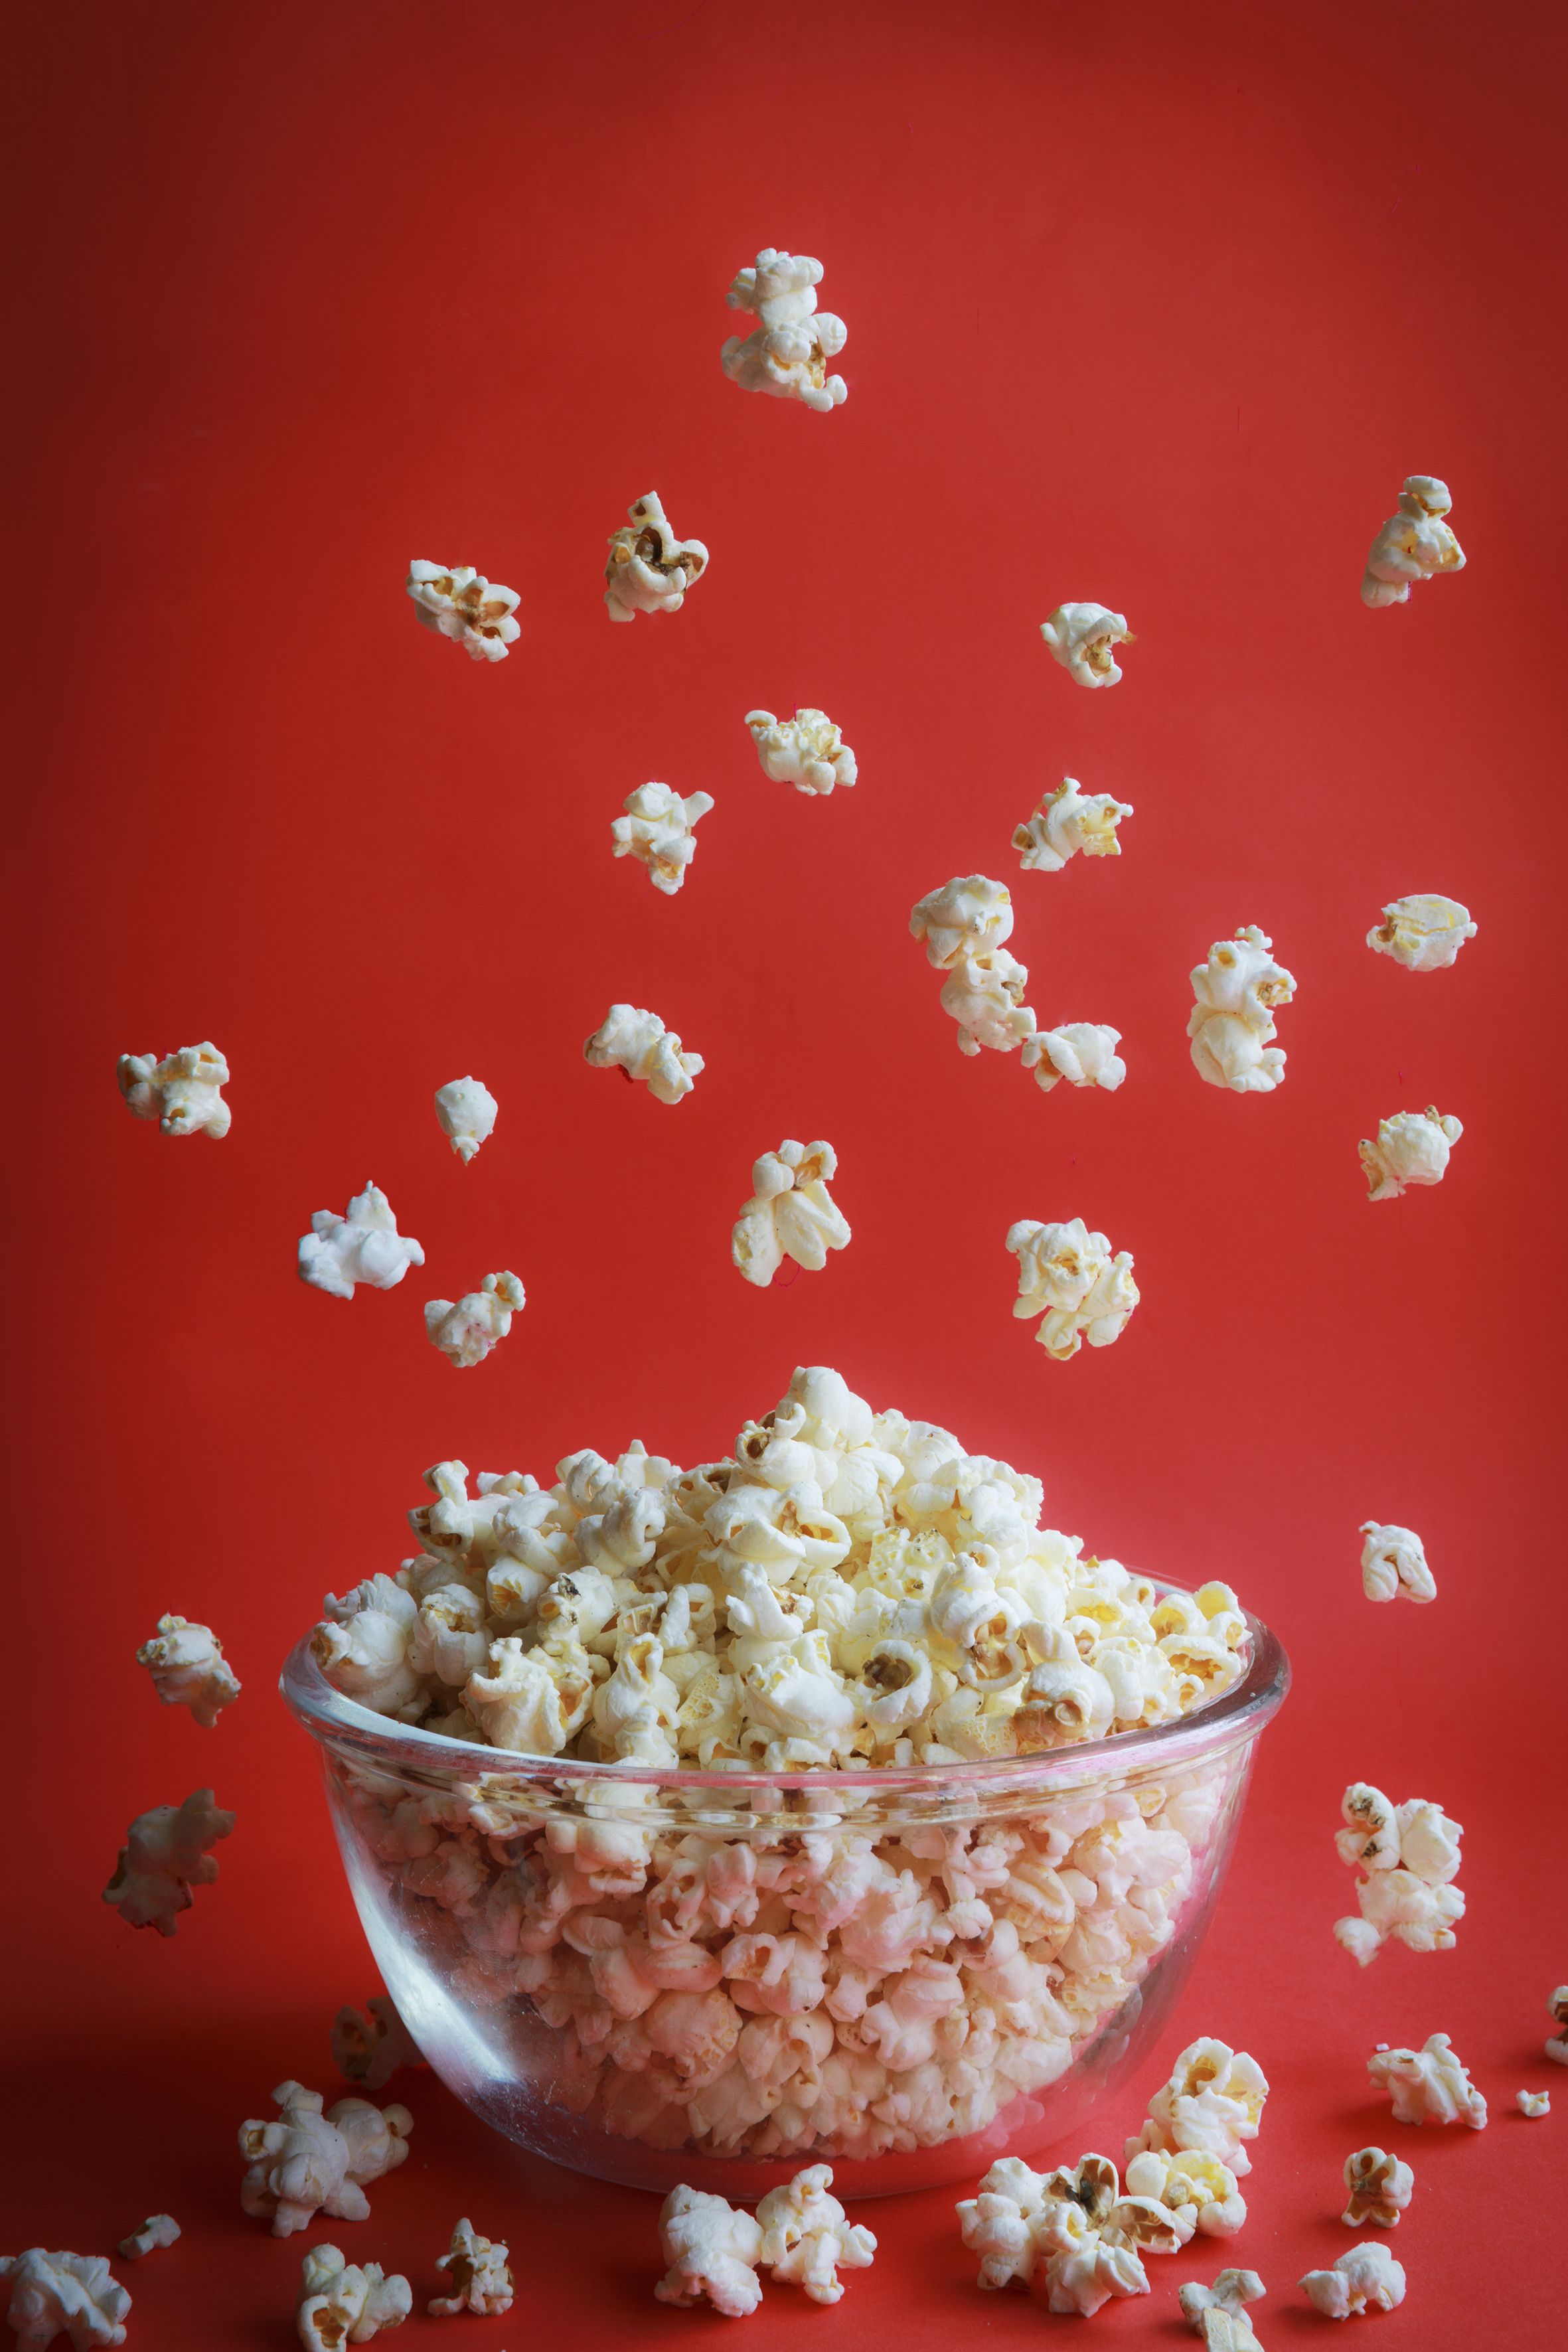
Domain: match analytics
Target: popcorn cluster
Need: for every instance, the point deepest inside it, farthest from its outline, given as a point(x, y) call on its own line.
point(1393, 1562)
point(807, 750)
point(1068, 821)
point(1429, 2086)
point(466, 1111)
point(1422, 933)
point(791, 1212)
point(1082, 638)
point(189, 1669)
point(165, 1855)
point(1066, 1275)
point(787, 352)
point(650, 570)
point(639, 1043)
point(64, 2294)
point(1409, 1853)
point(800, 2232)
point(313, 2159)
point(659, 830)
point(1212, 2105)
point(1411, 1148)
point(1413, 544)
point(364, 1246)
point(459, 603)
point(1076, 2222)
point(464, 1330)
point(1232, 1024)
point(181, 1092)
point(1082, 1052)
point(1218, 2313)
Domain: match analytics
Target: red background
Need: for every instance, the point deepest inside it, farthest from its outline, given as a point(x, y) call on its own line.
point(1155, 306)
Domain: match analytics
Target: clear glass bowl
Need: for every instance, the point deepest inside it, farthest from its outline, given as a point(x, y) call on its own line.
point(717, 1978)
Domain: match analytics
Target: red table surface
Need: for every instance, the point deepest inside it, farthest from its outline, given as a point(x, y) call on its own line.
point(1155, 306)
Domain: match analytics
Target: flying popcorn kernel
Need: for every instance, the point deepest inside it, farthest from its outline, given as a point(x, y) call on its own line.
point(308, 2162)
point(1218, 2313)
point(478, 2275)
point(790, 1213)
point(659, 830)
point(466, 1110)
point(1409, 1853)
point(807, 750)
point(1423, 934)
point(1429, 2086)
point(165, 1855)
point(64, 2294)
point(1379, 2186)
point(1067, 1275)
point(1411, 1148)
point(189, 1669)
point(712, 2251)
point(970, 915)
point(639, 1043)
point(1082, 1052)
point(1532, 2102)
point(984, 995)
point(1232, 1024)
point(467, 1328)
point(181, 1092)
point(1557, 2048)
point(807, 2238)
point(370, 2045)
point(363, 1246)
point(1068, 820)
point(1413, 544)
point(1213, 2103)
point(1081, 637)
point(1394, 1561)
point(650, 570)
point(157, 2229)
point(459, 603)
point(1366, 2279)
point(787, 353)
point(347, 2303)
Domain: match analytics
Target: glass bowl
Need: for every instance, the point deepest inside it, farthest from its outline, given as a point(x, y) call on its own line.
point(718, 1977)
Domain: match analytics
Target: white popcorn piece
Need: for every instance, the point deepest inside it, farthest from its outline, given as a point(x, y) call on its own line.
point(1067, 822)
point(1533, 2102)
point(1429, 2086)
point(1232, 1024)
point(1378, 2187)
point(370, 2045)
point(64, 2294)
point(1411, 1148)
point(984, 996)
point(807, 750)
point(1076, 2221)
point(1081, 637)
point(1082, 1052)
point(650, 570)
point(639, 1043)
point(1218, 2313)
point(478, 2274)
point(1365, 2279)
point(459, 603)
point(318, 2159)
point(1196, 2187)
point(1409, 1853)
point(158, 2230)
point(1424, 933)
point(970, 915)
point(347, 2303)
point(1413, 544)
point(181, 1092)
point(1213, 2103)
point(1557, 2047)
point(165, 1855)
point(806, 2237)
point(659, 830)
point(1067, 1275)
point(363, 1246)
point(466, 1110)
point(1393, 1562)
point(790, 1213)
point(467, 1328)
point(787, 353)
point(712, 2251)
point(189, 1669)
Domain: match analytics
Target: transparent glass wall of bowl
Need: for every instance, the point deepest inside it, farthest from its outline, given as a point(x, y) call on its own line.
point(719, 1978)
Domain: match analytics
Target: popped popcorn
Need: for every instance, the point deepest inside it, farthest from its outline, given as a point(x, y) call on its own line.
point(1533, 2102)
point(1379, 2186)
point(807, 750)
point(1411, 1148)
point(157, 2229)
point(459, 603)
point(467, 1328)
point(1413, 544)
point(1429, 2086)
point(466, 1110)
point(650, 570)
point(1212, 2104)
point(308, 2162)
point(1076, 2218)
point(478, 2274)
point(64, 2294)
point(984, 996)
point(787, 353)
point(659, 830)
point(712, 2251)
point(1218, 2313)
point(1232, 1024)
point(806, 2236)
point(181, 1092)
point(189, 1669)
point(970, 915)
point(1409, 1853)
point(1082, 636)
point(639, 1043)
point(1424, 933)
point(1393, 1562)
point(347, 2303)
point(1557, 2047)
point(1365, 2279)
point(1067, 1275)
point(1082, 1052)
point(1195, 2188)
point(791, 1212)
point(363, 1246)
point(370, 2045)
point(165, 1855)
point(1070, 820)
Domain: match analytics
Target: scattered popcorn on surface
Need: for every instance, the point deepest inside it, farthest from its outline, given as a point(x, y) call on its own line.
point(467, 1111)
point(1081, 637)
point(791, 1212)
point(1196, 2188)
point(970, 915)
point(1232, 1024)
point(1076, 2219)
point(1379, 2186)
point(1218, 2313)
point(1409, 1853)
point(1411, 1148)
point(712, 2251)
point(64, 2294)
point(370, 2045)
point(478, 2274)
point(639, 1043)
point(1422, 933)
point(807, 2238)
point(165, 1855)
point(650, 570)
point(659, 830)
point(157, 2229)
point(364, 1246)
point(459, 603)
point(307, 2162)
point(181, 1092)
point(344, 2303)
point(467, 1328)
point(1429, 2086)
point(1082, 1052)
point(1533, 2102)
point(807, 750)
point(1068, 821)
point(189, 1669)
point(787, 353)
point(1413, 544)
point(1557, 2048)
point(1366, 2279)
point(1067, 1275)
point(984, 995)
point(1394, 1561)
point(1212, 2102)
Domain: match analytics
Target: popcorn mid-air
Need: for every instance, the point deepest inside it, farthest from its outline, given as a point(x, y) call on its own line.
point(1533, 2102)
point(984, 995)
point(1082, 1052)
point(659, 830)
point(1218, 2313)
point(970, 915)
point(467, 1328)
point(1067, 1275)
point(478, 2274)
point(1194, 2187)
point(1379, 2186)
point(1067, 822)
point(1393, 1562)
point(363, 1246)
point(787, 352)
point(650, 570)
point(1411, 1148)
point(807, 2238)
point(639, 1043)
point(1422, 933)
point(712, 2251)
point(1082, 638)
point(64, 2294)
point(347, 2303)
point(181, 1092)
point(1413, 544)
point(165, 1855)
point(1232, 1024)
point(1213, 2103)
point(158, 2230)
point(807, 750)
point(1366, 2279)
point(307, 2161)
point(1077, 2221)
point(466, 1110)
point(459, 603)
point(370, 2045)
point(1409, 1853)
point(1557, 2047)
point(791, 1212)
point(189, 1669)
point(1429, 2086)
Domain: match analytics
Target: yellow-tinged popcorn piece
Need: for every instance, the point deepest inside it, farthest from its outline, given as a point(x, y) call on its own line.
point(1232, 1024)
point(1068, 821)
point(787, 352)
point(807, 750)
point(791, 1212)
point(1212, 2104)
point(1413, 544)
point(1082, 1052)
point(189, 1669)
point(1067, 1276)
point(1422, 933)
point(347, 2303)
point(1378, 2188)
point(459, 603)
point(639, 1043)
point(158, 2230)
point(1218, 2313)
point(1082, 638)
point(181, 1092)
point(1409, 1853)
point(649, 570)
point(1532, 2102)
point(659, 830)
